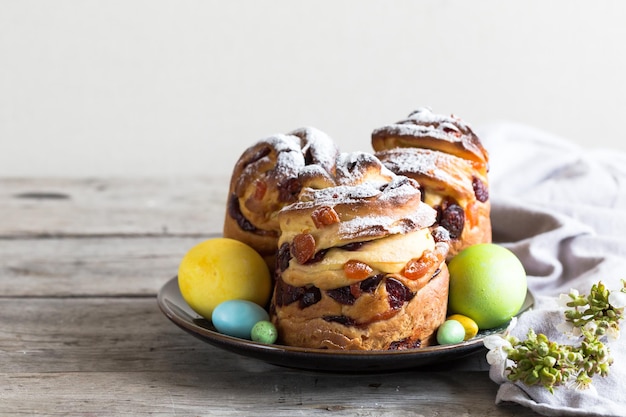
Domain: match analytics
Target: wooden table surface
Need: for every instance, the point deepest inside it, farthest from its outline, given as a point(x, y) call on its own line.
point(81, 262)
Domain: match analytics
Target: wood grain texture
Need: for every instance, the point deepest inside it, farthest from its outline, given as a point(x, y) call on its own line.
point(81, 262)
point(90, 266)
point(104, 207)
point(228, 394)
point(120, 356)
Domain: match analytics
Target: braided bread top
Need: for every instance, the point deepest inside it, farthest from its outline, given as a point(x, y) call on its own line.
point(271, 174)
point(448, 174)
point(343, 214)
point(424, 129)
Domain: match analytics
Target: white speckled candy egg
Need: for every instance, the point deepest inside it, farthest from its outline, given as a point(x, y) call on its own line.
point(237, 317)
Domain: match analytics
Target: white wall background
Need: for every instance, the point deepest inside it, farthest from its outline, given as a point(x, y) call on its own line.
point(160, 87)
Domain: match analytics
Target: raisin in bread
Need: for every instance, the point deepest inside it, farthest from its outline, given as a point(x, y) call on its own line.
point(447, 159)
point(358, 267)
point(270, 175)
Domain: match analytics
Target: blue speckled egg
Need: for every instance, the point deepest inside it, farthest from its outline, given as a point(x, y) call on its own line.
point(237, 317)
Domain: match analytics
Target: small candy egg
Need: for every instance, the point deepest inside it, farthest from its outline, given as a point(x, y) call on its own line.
point(264, 332)
point(237, 317)
point(470, 326)
point(450, 332)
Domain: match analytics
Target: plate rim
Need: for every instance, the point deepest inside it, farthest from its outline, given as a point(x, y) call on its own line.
point(245, 347)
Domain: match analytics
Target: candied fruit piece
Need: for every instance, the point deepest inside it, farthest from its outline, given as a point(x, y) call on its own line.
point(303, 247)
point(324, 216)
point(357, 269)
point(416, 268)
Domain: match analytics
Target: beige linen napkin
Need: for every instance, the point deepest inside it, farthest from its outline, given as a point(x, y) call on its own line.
point(562, 210)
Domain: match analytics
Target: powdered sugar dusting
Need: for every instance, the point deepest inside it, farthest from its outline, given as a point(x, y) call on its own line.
point(418, 131)
point(306, 146)
point(360, 167)
point(342, 194)
point(318, 145)
point(425, 116)
point(291, 151)
point(282, 143)
point(289, 159)
point(413, 160)
point(315, 172)
point(424, 123)
point(347, 194)
point(372, 225)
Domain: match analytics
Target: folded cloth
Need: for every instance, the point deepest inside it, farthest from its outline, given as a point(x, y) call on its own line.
point(562, 210)
point(604, 397)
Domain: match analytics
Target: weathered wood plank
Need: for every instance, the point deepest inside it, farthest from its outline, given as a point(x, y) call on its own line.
point(109, 335)
point(99, 335)
point(249, 394)
point(36, 207)
point(121, 356)
point(87, 266)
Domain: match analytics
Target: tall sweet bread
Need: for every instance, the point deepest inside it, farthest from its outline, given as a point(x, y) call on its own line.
point(447, 159)
point(270, 175)
point(358, 267)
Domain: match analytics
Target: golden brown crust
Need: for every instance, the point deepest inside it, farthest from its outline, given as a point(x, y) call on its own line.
point(449, 162)
point(445, 179)
point(424, 129)
point(268, 176)
point(432, 170)
point(362, 212)
point(335, 242)
point(273, 174)
point(372, 322)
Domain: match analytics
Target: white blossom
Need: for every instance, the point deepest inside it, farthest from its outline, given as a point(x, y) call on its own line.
point(567, 328)
point(566, 298)
point(591, 327)
point(613, 333)
point(617, 299)
point(511, 326)
point(588, 387)
point(496, 345)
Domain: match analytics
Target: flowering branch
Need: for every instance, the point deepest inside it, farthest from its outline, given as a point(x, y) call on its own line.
point(593, 319)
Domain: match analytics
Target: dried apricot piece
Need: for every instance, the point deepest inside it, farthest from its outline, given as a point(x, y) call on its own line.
point(303, 247)
point(324, 216)
point(357, 269)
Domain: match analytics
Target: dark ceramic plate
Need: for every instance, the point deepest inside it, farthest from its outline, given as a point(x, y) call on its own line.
point(177, 310)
